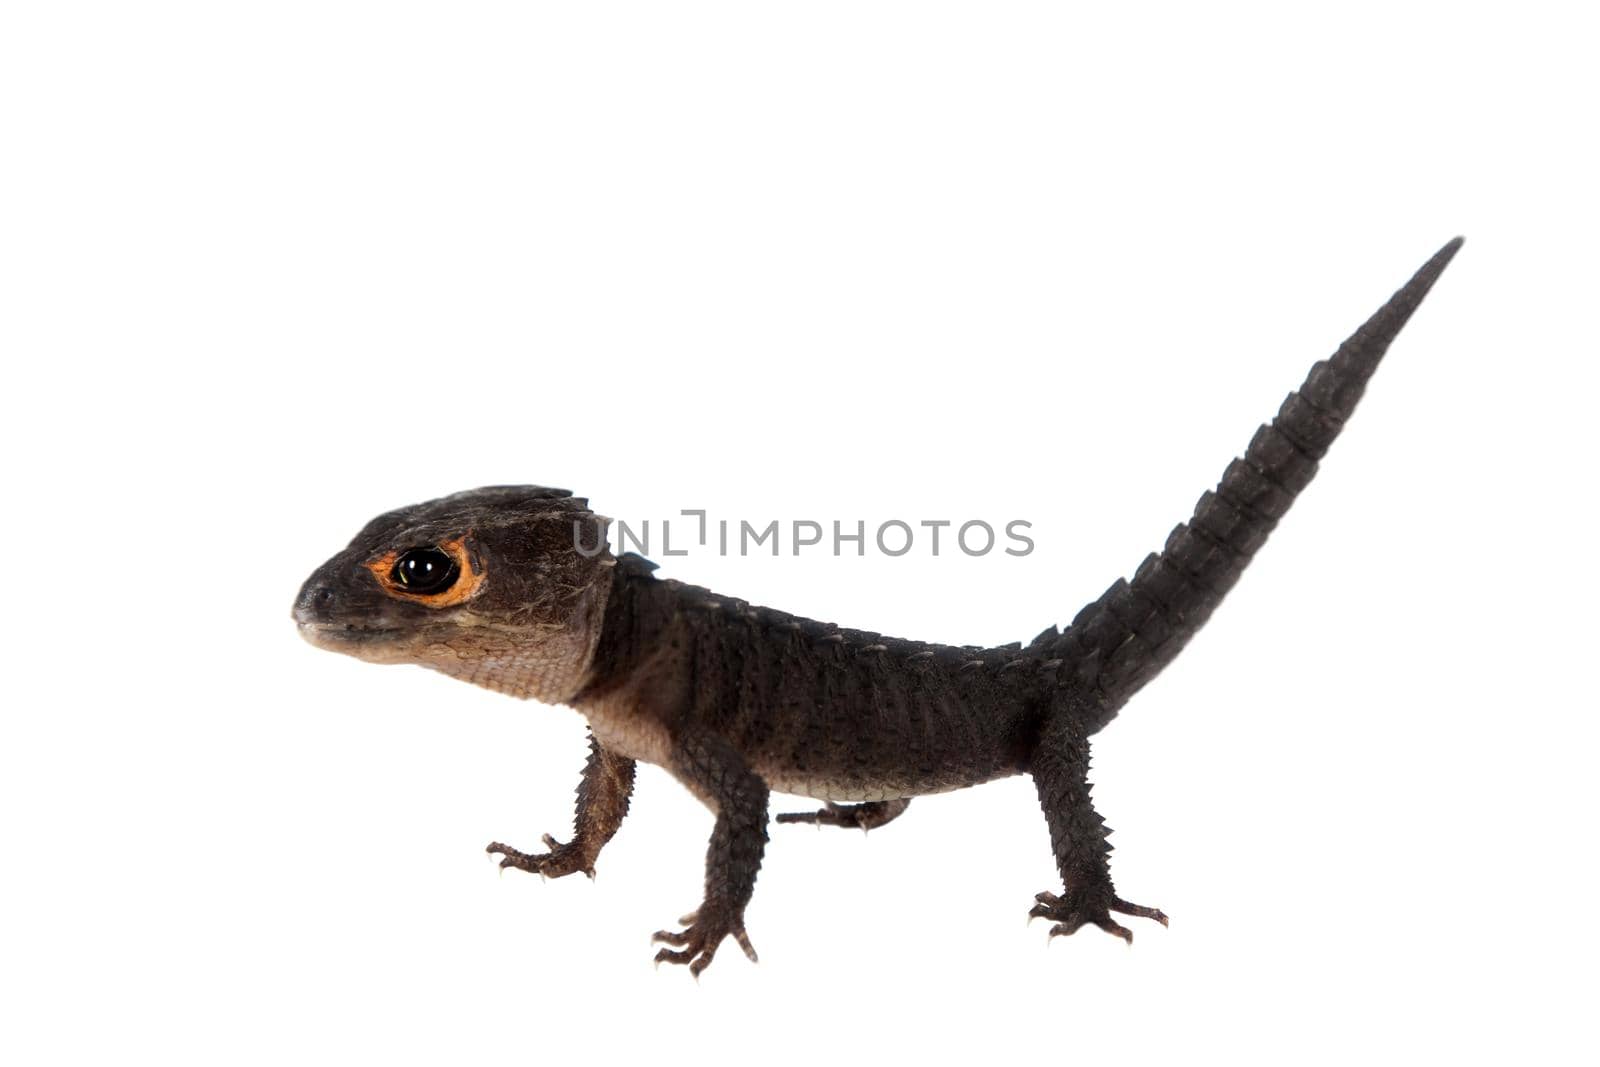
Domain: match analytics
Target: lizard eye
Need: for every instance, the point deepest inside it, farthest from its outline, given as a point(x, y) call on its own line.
point(424, 571)
point(439, 575)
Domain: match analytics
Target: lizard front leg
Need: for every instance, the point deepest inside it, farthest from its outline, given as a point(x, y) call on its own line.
point(716, 773)
point(603, 794)
point(1060, 768)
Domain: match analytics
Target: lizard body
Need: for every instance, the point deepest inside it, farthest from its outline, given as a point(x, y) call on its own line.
point(736, 701)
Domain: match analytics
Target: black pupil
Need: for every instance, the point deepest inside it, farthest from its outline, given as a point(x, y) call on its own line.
point(424, 570)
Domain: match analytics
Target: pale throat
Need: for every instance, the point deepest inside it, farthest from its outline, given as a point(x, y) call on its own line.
point(550, 664)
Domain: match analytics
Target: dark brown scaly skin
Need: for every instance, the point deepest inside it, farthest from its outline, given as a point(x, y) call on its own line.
point(736, 701)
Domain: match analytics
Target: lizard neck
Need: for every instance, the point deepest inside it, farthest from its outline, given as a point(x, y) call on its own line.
point(629, 690)
point(629, 632)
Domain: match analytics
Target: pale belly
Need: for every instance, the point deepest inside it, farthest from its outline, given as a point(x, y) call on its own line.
point(846, 792)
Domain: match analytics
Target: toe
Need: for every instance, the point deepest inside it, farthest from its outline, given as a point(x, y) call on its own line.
point(1139, 910)
point(1067, 927)
point(1112, 927)
point(667, 955)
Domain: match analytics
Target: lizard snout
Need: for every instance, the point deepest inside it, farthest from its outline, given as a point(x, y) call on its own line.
point(315, 605)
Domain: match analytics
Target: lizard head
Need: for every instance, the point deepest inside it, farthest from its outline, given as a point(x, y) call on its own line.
point(489, 586)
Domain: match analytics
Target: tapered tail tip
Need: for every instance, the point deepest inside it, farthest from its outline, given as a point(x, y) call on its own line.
point(1393, 315)
point(1441, 259)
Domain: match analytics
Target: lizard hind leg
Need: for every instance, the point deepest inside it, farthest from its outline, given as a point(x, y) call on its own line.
point(866, 816)
point(1060, 769)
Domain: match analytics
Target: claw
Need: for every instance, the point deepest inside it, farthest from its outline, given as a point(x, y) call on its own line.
point(744, 942)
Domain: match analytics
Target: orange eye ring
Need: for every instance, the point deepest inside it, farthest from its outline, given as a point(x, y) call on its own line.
point(459, 591)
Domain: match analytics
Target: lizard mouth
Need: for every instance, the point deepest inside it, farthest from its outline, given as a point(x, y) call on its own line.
point(329, 633)
point(375, 644)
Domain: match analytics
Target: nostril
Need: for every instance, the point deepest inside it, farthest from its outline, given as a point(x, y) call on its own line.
point(315, 604)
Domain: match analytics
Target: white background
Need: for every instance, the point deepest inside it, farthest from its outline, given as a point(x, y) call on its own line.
point(267, 270)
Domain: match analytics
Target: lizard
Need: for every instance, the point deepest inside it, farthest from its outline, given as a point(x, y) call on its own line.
point(736, 701)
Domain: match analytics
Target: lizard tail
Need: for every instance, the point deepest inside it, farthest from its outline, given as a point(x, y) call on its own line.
point(1122, 640)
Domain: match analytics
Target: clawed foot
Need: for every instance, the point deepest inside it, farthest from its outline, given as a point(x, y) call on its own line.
point(703, 932)
point(1083, 908)
point(865, 816)
point(562, 859)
